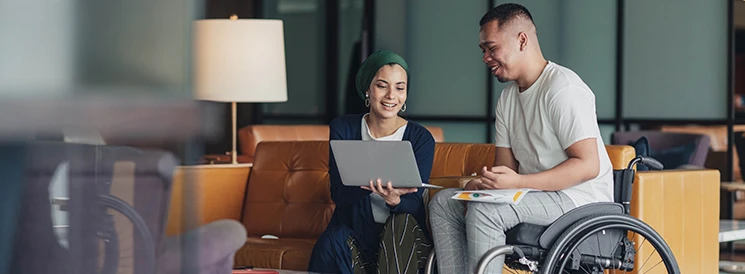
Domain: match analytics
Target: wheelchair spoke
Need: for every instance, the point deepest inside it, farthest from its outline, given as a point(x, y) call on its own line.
point(650, 255)
point(626, 257)
point(599, 248)
point(655, 265)
point(645, 240)
point(645, 261)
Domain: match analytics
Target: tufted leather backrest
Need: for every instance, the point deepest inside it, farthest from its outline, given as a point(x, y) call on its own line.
point(251, 136)
point(288, 190)
point(456, 159)
point(460, 159)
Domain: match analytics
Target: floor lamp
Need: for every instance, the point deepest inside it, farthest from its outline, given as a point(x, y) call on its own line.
point(239, 60)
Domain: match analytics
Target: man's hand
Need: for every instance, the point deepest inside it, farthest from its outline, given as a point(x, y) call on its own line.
point(391, 195)
point(500, 177)
point(474, 184)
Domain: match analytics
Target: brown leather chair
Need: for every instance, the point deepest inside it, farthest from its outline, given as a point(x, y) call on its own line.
point(288, 197)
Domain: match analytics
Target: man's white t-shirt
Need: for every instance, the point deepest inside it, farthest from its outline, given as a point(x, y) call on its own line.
point(544, 120)
point(377, 203)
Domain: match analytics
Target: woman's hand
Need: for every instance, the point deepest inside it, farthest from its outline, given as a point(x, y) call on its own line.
point(391, 195)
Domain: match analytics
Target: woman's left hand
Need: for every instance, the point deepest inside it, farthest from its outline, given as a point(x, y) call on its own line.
point(391, 195)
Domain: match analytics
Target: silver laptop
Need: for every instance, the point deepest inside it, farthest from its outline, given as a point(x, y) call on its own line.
point(360, 162)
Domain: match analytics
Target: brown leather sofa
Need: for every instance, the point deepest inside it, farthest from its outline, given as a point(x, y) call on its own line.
point(288, 197)
point(249, 137)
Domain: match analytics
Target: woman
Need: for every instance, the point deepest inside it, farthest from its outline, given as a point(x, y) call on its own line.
point(377, 228)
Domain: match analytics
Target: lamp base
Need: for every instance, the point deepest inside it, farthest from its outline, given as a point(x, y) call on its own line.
point(234, 111)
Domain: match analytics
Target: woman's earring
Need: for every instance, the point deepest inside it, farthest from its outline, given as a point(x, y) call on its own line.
point(367, 102)
point(403, 108)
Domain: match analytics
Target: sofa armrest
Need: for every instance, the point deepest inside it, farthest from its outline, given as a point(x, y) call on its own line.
point(683, 207)
point(204, 194)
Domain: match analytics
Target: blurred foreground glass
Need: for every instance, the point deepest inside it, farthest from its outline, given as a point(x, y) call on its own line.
point(120, 70)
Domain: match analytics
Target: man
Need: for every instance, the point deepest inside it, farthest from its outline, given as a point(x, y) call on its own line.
point(547, 139)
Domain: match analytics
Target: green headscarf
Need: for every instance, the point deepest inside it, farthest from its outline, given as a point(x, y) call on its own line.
point(372, 64)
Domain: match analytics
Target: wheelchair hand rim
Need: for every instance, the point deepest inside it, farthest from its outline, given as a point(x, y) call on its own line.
point(592, 225)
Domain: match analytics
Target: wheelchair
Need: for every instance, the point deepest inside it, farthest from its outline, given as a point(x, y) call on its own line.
point(594, 238)
point(107, 206)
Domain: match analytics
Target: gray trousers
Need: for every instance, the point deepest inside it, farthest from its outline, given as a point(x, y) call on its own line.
point(462, 239)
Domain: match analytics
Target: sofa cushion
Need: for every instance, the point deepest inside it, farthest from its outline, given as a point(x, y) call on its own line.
point(455, 159)
point(288, 190)
point(284, 253)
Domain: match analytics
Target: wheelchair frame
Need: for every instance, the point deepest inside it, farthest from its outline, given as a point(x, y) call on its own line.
point(586, 226)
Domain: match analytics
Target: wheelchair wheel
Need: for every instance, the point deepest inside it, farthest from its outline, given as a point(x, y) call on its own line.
point(610, 244)
point(110, 245)
point(114, 243)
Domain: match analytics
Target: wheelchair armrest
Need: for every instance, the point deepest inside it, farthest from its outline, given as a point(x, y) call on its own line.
point(555, 229)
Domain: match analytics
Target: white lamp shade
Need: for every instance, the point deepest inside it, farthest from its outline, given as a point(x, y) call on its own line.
point(239, 60)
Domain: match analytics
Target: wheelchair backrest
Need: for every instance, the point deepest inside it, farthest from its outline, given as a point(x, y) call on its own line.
point(622, 186)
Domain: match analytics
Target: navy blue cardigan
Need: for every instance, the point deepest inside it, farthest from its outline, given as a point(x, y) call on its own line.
point(353, 203)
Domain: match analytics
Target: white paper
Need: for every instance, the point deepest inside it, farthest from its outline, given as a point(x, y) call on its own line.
point(499, 196)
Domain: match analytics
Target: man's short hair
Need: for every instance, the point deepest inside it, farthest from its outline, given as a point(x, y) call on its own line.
point(505, 13)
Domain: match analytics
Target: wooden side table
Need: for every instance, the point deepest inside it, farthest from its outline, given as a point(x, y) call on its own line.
point(212, 159)
point(205, 193)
